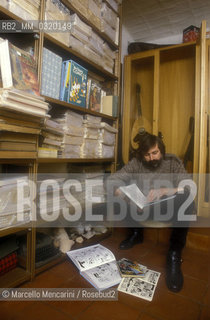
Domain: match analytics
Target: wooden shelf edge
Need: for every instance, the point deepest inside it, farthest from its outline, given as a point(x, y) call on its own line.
point(110, 7)
point(72, 160)
point(15, 229)
point(150, 52)
point(77, 108)
point(14, 278)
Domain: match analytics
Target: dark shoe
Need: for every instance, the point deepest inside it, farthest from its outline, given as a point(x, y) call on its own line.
point(174, 277)
point(135, 238)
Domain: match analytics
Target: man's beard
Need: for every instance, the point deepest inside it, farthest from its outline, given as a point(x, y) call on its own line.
point(152, 164)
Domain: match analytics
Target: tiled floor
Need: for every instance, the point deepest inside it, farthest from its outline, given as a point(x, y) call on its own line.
point(192, 303)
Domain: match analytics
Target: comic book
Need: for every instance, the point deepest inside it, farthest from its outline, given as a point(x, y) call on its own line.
point(96, 264)
point(141, 288)
point(18, 69)
point(130, 268)
point(73, 83)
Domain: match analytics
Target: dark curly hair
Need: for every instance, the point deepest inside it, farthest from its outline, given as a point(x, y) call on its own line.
point(146, 142)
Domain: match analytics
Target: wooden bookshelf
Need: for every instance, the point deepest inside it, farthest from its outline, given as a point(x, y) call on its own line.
point(38, 40)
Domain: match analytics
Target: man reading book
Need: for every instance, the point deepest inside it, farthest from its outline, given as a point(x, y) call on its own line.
point(151, 165)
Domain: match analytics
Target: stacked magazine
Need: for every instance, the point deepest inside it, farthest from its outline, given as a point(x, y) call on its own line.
point(137, 279)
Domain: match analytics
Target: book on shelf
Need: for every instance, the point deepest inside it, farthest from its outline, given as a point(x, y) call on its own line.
point(19, 129)
point(24, 97)
point(140, 287)
point(130, 268)
point(18, 154)
point(17, 102)
point(73, 83)
point(47, 152)
point(34, 121)
point(17, 137)
point(110, 105)
point(51, 74)
point(21, 146)
point(95, 96)
point(138, 198)
point(13, 120)
point(18, 68)
point(96, 264)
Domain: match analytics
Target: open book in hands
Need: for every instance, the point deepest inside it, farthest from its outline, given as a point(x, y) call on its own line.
point(97, 265)
point(134, 193)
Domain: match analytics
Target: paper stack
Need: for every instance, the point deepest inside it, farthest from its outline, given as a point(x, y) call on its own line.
point(56, 10)
point(25, 9)
point(51, 139)
point(13, 211)
point(72, 126)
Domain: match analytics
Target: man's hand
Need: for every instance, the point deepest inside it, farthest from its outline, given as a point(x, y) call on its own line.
point(156, 194)
point(119, 193)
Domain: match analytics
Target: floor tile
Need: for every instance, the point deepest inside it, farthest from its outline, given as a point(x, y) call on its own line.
point(171, 306)
point(145, 316)
point(196, 269)
point(193, 289)
point(46, 279)
point(71, 308)
point(206, 299)
point(65, 268)
point(10, 310)
point(205, 313)
point(132, 302)
point(42, 311)
point(109, 310)
point(192, 302)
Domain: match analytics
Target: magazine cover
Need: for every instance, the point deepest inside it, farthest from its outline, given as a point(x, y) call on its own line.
point(18, 68)
point(95, 97)
point(130, 268)
point(73, 83)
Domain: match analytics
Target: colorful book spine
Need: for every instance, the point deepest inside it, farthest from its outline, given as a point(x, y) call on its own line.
point(73, 83)
point(66, 67)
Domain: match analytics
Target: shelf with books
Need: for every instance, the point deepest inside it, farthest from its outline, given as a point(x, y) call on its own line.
point(77, 108)
point(109, 5)
point(12, 273)
point(49, 41)
point(37, 41)
point(97, 30)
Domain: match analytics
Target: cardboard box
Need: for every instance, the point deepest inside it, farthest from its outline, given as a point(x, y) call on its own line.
point(191, 33)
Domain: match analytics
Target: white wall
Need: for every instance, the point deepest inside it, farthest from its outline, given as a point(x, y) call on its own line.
point(126, 38)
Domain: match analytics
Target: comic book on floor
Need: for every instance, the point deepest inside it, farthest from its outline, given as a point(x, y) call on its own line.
point(130, 268)
point(96, 264)
point(141, 288)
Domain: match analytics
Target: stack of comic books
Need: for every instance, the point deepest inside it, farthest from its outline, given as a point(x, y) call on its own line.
point(98, 265)
point(137, 280)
